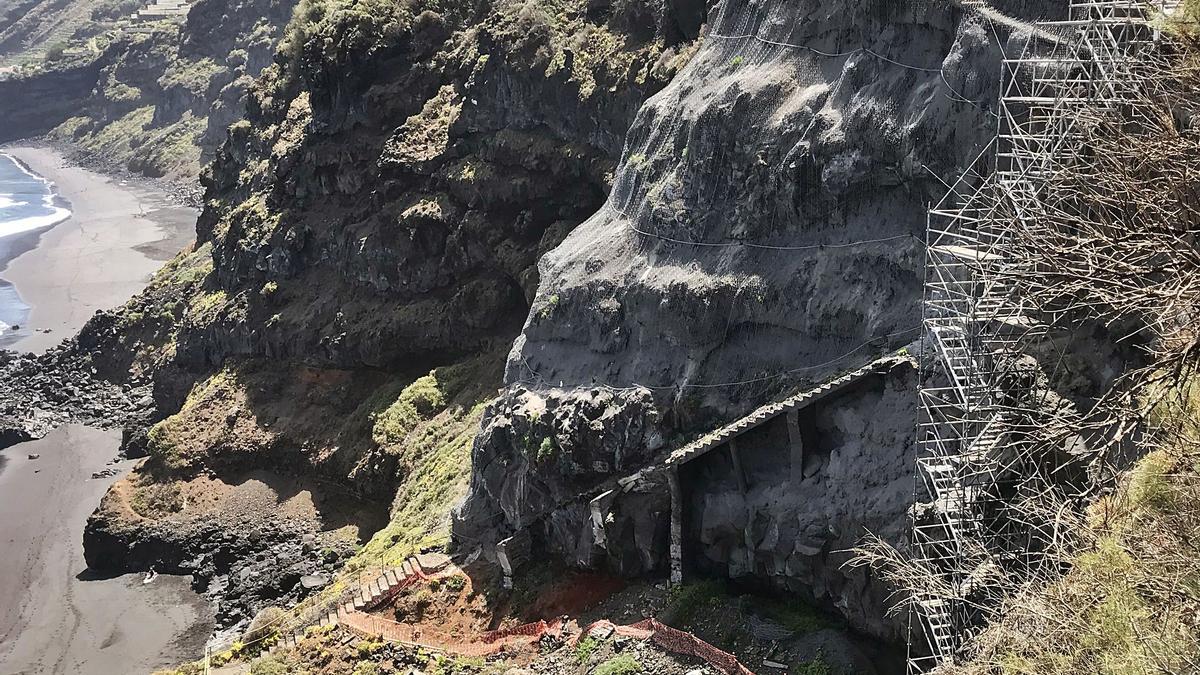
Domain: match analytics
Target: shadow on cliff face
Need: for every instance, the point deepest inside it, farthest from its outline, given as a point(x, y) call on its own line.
point(764, 230)
point(396, 199)
point(286, 465)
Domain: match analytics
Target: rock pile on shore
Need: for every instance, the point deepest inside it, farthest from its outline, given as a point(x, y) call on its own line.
point(42, 392)
point(241, 566)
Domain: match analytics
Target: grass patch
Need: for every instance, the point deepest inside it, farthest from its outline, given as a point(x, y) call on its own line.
point(162, 448)
point(154, 500)
point(818, 666)
point(795, 615)
point(621, 664)
point(204, 307)
point(1149, 484)
point(430, 426)
point(687, 600)
point(586, 647)
point(418, 402)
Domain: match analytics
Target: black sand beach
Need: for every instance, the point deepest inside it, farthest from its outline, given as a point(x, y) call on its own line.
point(118, 234)
point(53, 617)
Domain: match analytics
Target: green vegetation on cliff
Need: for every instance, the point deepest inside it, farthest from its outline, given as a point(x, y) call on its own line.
point(1130, 603)
point(430, 426)
point(157, 96)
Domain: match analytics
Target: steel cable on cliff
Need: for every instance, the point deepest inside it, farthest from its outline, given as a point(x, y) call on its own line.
point(540, 379)
point(771, 247)
point(957, 95)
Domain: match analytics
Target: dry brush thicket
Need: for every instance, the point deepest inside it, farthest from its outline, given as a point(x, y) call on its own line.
point(1112, 247)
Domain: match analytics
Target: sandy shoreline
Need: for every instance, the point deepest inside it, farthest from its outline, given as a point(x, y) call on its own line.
point(118, 234)
point(55, 618)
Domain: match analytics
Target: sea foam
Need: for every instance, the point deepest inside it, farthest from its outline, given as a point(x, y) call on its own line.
point(49, 213)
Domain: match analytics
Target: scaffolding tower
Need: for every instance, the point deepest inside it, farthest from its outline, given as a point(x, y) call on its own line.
point(975, 318)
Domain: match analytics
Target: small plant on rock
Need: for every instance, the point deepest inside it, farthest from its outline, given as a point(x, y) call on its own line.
point(583, 650)
point(622, 664)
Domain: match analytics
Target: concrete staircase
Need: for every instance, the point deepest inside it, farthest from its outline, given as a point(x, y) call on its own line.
point(369, 596)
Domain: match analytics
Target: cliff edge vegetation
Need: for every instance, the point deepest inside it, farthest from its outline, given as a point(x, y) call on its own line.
point(153, 97)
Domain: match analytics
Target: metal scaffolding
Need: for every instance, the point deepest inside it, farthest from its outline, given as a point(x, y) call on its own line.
point(977, 321)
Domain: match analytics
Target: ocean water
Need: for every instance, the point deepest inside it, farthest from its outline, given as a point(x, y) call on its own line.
point(27, 201)
point(28, 206)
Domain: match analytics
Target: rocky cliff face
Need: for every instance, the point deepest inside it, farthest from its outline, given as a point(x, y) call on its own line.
point(379, 212)
point(38, 104)
point(168, 92)
point(671, 236)
point(152, 98)
point(397, 197)
point(764, 229)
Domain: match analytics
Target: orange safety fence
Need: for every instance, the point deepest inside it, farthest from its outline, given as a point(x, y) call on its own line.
point(680, 642)
point(535, 629)
point(676, 641)
point(391, 594)
point(491, 642)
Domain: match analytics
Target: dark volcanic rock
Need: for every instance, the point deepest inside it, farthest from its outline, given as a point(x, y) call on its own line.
point(37, 105)
point(242, 563)
point(60, 387)
point(408, 198)
point(764, 230)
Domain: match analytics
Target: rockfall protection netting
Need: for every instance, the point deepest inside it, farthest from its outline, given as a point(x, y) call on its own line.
point(789, 156)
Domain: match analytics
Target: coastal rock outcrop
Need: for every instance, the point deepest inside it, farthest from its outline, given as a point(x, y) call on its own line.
point(151, 98)
point(43, 392)
point(34, 106)
point(248, 549)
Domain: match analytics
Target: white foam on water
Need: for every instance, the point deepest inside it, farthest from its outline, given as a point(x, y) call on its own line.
point(56, 214)
point(11, 227)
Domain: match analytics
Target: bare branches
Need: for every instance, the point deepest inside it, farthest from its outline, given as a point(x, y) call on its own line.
point(1081, 251)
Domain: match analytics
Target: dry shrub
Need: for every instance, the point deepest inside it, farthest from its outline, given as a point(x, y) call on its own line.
point(1115, 242)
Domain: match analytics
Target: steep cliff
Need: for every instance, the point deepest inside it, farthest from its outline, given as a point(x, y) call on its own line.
point(35, 105)
point(671, 236)
point(167, 93)
point(152, 98)
point(399, 192)
point(378, 214)
point(764, 230)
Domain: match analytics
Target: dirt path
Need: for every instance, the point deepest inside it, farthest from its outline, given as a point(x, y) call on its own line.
point(54, 617)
